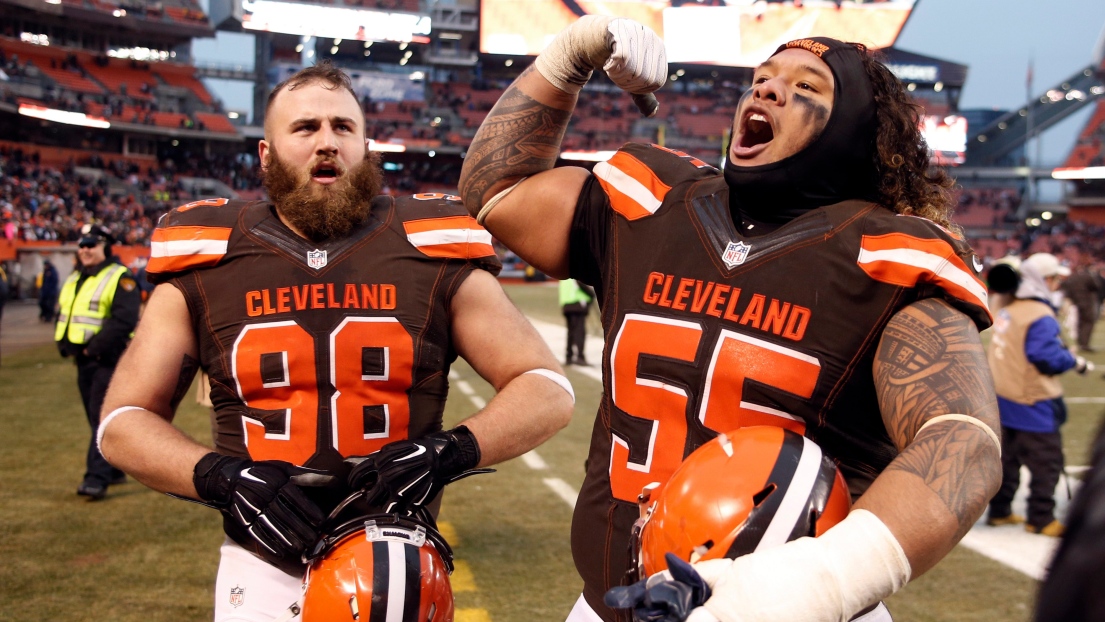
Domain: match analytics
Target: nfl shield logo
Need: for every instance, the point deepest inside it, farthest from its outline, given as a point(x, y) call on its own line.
point(316, 259)
point(237, 596)
point(735, 254)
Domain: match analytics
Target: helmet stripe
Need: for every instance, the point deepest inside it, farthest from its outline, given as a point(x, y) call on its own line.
point(412, 596)
point(794, 509)
point(762, 516)
point(381, 578)
point(397, 582)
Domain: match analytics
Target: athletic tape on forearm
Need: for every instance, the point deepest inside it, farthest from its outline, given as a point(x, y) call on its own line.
point(106, 420)
point(557, 378)
point(490, 205)
point(854, 565)
point(575, 52)
point(967, 419)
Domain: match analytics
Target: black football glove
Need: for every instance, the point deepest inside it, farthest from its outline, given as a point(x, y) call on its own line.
point(264, 499)
point(405, 475)
point(664, 597)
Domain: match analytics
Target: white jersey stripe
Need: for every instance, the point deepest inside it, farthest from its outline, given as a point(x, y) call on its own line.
point(935, 264)
point(397, 581)
point(178, 248)
point(628, 186)
point(449, 236)
point(796, 500)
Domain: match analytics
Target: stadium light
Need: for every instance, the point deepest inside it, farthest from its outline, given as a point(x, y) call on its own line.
point(1088, 172)
point(1047, 215)
point(386, 147)
point(62, 116)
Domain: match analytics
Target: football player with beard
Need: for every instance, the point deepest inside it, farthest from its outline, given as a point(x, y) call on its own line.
point(327, 318)
point(814, 284)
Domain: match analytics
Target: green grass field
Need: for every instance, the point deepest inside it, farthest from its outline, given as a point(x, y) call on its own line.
point(140, 555)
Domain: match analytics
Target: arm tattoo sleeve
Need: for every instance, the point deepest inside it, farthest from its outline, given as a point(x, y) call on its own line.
point(519, 137)
point(930, 362)
point(188, 368)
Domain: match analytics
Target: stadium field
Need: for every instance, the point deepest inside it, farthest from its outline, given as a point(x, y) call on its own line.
point(140, 555)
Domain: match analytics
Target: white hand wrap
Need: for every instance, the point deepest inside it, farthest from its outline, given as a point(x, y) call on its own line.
point(631, 54)
point(827, 579)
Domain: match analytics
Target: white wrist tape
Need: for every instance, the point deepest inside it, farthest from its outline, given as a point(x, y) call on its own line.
point(106, 420)
point(966, 419)
point(493, 201)
point(575, 52)
point(557, 378)
point(854, 565)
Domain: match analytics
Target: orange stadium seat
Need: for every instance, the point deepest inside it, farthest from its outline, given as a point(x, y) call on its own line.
point(216, 122)
point(175, 74)
point(169, 119)
point(119, 76)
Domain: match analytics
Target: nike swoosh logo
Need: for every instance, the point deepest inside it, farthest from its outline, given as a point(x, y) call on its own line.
point(977, 263)
point(246, 474)
point(421, 449)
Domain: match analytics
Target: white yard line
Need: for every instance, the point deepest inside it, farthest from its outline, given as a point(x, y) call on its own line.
point(562, 490)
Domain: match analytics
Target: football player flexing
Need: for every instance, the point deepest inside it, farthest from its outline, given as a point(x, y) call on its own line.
point(327, 319)
point(814, 284)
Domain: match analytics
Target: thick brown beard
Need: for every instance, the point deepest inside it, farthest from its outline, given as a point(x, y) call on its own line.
point(323, 212)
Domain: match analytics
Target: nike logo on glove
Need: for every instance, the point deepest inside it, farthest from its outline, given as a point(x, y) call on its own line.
point(421, 449)
point(246, 474)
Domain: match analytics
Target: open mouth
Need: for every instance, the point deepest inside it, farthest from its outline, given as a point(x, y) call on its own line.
point(757, 131)
point(325, 172)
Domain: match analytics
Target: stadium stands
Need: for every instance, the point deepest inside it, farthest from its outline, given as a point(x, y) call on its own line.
point(1089, 150)
point(175, 74)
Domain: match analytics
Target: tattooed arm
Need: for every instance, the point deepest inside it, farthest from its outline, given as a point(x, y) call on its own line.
point(151, 378)
point(930, 362)
point(520, 139)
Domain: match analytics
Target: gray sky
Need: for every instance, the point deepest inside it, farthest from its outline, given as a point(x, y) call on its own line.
point(994, 38)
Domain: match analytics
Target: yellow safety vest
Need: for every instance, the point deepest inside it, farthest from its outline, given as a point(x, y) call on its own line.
point(83, 313)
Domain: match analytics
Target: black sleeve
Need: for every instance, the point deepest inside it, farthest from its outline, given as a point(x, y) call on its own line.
point(590, 234)
point(109, 343)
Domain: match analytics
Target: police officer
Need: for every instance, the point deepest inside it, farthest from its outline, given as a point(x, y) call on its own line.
point(98, 312)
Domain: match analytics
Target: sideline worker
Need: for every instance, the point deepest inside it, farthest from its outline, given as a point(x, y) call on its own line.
point(575, 302)
point(1026, 357)
point(99, 310)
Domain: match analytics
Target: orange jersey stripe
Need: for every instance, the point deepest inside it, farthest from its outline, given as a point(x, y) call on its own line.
point(905, 260)
point(176, 249)
point(634, 189)
point(456, 237)
point(437, 224)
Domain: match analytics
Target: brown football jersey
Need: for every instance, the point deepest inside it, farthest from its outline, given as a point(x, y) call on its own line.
point(320, 351)
point(708, 330)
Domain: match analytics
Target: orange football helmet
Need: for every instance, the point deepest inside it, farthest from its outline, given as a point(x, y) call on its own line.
point(378, 568)
point(746, 490)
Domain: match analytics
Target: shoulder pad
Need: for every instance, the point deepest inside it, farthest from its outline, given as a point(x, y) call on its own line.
point(915, 252)
point(194, 235)
point(439, 226)
point(639, 177)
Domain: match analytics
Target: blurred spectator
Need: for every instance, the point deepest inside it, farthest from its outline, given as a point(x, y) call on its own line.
point(4, 292)
point(1026, 355)
point(48, 292)
point(1081, 289)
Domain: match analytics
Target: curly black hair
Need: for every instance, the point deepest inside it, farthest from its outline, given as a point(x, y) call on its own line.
point(907, 183)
